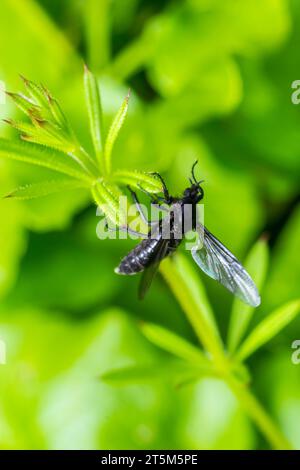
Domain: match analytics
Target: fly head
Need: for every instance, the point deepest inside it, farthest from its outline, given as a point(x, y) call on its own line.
point(195, 192)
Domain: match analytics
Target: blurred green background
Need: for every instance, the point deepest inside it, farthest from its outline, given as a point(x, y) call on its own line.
point(211, 80)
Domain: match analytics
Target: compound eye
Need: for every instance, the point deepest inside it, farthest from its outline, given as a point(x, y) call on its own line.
point(187, 192)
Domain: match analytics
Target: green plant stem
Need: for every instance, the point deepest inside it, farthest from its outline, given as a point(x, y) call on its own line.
point(258, 414)
point(207, 337)
point(201, 326)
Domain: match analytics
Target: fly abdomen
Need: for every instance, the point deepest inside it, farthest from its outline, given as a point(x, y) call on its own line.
point(139, 258)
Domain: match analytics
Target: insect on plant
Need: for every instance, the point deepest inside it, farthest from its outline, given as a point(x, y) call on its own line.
point(49, 141)
point(209, 253)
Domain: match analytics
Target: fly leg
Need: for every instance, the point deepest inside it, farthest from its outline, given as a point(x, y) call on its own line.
point(156, 201)
point(139, 208)
point(167, 198)
point(125, 228)
point(159, 206)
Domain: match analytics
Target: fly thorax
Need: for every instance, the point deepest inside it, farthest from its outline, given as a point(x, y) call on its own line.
point(172, 223)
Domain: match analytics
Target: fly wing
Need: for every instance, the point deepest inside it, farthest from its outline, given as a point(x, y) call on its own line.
point(220, 264)
point(149, 273)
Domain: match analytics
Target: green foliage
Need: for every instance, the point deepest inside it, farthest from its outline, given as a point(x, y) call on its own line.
point(32, 191)
point(107, 199)
point(283, 282)
point(58, 148)
point(209, 80)
point(93, 101)
point(49, 126)
point(97, 32)
point(233, 372)
point(176, 373)
point(174, 344)
point(113, 133)
point(42, 156)
point(268, 328)
point(256, 264)
point(12, 237)
point(137, 179)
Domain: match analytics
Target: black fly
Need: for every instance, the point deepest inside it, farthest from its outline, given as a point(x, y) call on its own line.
point(210, 254)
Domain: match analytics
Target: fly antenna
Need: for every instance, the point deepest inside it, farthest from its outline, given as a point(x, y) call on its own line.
point(193, 171)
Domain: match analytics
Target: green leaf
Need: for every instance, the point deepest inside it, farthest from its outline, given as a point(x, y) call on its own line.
point(107, 197)
point(36, 92)
point(45, 188)
point(178, 373)
point(43, 133)
point(58, 114)
point(42, 156)
point(93, 102)
point(50, 107)
point(256, 264)
point(174, 344)
point(49, 131)
point(26, 105)
point(114, 131)
point(45, 141)
point(25, 128)
point(137, 179)
point(50, 126)
point(268, 328)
